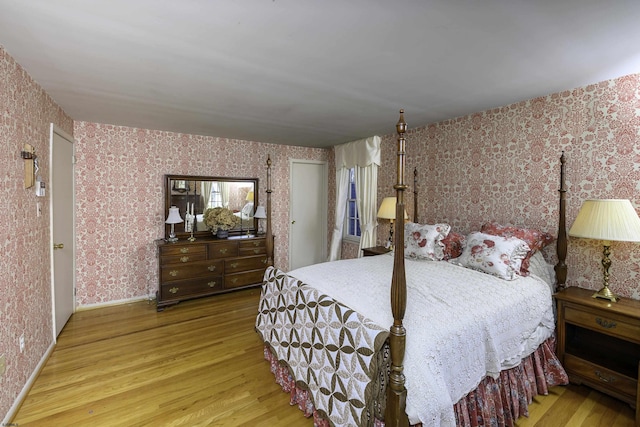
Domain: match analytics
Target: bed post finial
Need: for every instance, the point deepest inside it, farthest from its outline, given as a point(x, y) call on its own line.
point(395, 413)
point(269, 232)
point(561, 242)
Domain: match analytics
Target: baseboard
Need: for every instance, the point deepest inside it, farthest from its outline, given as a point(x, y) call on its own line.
point(25, 390)
point(149, 298)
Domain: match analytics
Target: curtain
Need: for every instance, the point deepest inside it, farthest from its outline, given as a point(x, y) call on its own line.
point(206, 193)
point(363, 154)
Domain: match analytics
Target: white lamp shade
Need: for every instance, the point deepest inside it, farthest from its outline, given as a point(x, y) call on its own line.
point(388, 209)
point(607, 219)
point(260, 213)
point(174, 216)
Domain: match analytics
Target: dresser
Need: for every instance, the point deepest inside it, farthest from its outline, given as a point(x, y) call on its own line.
point(208, 267)
point(599, 343)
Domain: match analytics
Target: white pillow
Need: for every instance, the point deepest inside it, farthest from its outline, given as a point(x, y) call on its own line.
point(495, 255)
point(541, 268)
point(424, 241)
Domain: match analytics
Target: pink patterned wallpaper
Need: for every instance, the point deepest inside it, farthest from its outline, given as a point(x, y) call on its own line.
point(26, 112)
point(120, 200)
point(503, 165)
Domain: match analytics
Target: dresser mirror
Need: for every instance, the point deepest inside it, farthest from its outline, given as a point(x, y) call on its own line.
point(192, 195)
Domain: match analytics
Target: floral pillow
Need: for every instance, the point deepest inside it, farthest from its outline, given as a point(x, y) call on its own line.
point(424, 241)
point(534, 238)
point(454, 244)
point(495, 255)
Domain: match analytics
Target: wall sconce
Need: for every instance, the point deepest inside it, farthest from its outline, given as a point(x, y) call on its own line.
point(173, 218)
point(388, 211)
point(260, 214)
point(29, 156)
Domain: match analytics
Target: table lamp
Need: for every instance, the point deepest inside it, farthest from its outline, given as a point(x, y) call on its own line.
point(607, 220)
point(173, 218)
point(388, 211)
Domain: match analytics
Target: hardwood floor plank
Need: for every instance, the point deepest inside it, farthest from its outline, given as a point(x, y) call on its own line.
point(201, 363)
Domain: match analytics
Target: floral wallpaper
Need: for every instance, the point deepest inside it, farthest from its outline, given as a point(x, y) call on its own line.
point(503, 165)
point(26, 112)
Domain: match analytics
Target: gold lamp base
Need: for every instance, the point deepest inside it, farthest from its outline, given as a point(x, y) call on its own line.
point(605, 293)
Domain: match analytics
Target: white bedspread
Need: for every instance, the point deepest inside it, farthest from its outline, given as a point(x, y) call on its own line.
point(462, 325)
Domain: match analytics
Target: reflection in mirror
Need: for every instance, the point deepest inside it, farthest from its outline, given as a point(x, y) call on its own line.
point(192, 195)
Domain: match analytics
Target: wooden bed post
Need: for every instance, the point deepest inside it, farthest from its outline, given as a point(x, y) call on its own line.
point(269, 232)
point(395, 413)
point(415, 194)
point(561, 243)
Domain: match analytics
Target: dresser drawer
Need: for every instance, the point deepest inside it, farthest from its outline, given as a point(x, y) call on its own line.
point(612, 325)
point(191, 288)
point(223, 249)
point(600, 376)
point(172, 272)
point(183, 258)
point(256, 250)
point(178, 250)
point(236, 265)
point(243, 279)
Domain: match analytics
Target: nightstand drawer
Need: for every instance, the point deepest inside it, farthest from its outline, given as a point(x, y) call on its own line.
point(600, 376)
point(601, 322)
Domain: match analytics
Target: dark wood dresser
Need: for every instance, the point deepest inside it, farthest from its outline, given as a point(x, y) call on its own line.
point(207, 267)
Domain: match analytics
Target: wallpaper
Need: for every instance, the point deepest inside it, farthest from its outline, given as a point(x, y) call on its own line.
point(120, 199)
point(26, 112)
point(503, 165)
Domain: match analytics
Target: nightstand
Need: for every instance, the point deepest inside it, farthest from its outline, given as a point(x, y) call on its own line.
point(599, 343)
point(376, 250)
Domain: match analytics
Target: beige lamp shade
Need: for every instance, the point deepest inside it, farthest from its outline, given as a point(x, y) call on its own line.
point(388, 209)
point(607, 220)
point(174, 216)
point(249, 196)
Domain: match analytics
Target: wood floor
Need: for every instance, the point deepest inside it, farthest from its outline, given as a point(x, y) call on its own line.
point(200, 363)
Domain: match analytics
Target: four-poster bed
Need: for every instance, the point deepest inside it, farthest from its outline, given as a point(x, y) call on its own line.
point(352, 367)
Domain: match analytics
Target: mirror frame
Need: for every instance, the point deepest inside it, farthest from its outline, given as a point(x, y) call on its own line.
point(181, 180)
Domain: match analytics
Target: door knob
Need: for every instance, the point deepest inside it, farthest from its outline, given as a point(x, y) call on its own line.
point(58, 246)
point(293, 222)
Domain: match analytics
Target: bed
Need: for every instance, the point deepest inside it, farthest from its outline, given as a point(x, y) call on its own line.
point(452, 346)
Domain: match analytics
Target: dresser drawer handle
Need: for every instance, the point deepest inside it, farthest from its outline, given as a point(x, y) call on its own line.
point(256, 243)
point(174, 290)
point(212, 284)
point(184, 250)
point(184, 258)
point(264, 260)
point(607, 324)
point(211, 268)
point(609, 379)
point(223, 251)
point(234, 264)
point(234, 280)
point(173, 273)
point(255, 251)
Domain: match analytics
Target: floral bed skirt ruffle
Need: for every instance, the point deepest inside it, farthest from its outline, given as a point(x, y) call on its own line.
point(498, 402)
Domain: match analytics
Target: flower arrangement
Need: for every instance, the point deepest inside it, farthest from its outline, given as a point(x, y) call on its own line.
point(220, 219)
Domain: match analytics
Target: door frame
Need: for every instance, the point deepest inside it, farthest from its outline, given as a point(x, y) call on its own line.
point(54, 129)
point(324, 198)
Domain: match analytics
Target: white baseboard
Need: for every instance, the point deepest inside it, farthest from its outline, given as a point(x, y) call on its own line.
point(149, 298)
point(25, 390)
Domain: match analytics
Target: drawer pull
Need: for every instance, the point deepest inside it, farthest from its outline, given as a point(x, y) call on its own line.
point(212, 284)
point(255, 251)
point(184, 258)
point(223, 251)
point(256, 243)
point(234, 280)
point(173, 290)
point(211, 268)
point(234, 264)
point(184, 250)
point(607, 324)
point(264, 260)
point(609, 379)
point(173, 273)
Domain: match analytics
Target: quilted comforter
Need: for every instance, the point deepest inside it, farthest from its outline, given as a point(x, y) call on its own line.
point(462, 325)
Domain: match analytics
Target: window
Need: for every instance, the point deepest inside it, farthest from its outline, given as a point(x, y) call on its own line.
point(352, 228)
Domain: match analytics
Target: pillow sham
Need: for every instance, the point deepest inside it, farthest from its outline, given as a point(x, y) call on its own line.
point(454, 244)
point(536, 239)
point(424, 241)
point(496, 255)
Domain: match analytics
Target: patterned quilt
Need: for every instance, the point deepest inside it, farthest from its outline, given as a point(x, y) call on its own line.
point(330, 349)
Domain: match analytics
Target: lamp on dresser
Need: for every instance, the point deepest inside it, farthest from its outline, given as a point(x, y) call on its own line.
point(607, 220)
point(260, 214)
point(388, 211)
point(173, 218)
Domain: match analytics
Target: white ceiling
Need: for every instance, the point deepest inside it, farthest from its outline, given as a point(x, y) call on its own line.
point(311, 72)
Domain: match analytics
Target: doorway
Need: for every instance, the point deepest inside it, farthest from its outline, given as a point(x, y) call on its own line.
point(308, 213)
point(62, 225)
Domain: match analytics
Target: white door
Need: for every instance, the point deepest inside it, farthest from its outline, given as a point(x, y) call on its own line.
point(62, 228)
point(308, 213)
